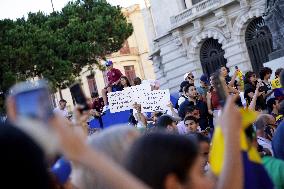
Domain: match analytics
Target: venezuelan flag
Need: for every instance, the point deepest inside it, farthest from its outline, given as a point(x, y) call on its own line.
point(255, 176)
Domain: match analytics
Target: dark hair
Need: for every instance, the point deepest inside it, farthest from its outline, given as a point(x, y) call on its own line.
point(158, 114)
point(137, 81)
point(202, 138)
point(62, 100)
point(278, 71)
point(127, 81)
point(223, 66)
point(183, 85)
point(153, 157)
point(270, 103)
point(95, 95)
point(248, 75)
point(187, 118)
point(264, 71)
point(186, 88)
point(22, 161)
point(164, 121)
point(190, 108)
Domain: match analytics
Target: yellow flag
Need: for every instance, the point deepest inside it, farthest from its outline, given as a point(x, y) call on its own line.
point(218, 146)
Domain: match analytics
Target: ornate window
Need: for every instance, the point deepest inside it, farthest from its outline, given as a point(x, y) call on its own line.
point(130, 73)
point(92, 83)
point(211, 56)
point(259, 43)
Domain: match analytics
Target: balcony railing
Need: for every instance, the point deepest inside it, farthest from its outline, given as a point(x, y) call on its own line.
point(195, 10)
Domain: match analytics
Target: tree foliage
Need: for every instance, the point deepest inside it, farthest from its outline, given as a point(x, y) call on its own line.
point(58, 45)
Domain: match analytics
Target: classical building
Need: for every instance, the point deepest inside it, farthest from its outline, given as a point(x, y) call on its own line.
point(132, 59)
point(201, 35)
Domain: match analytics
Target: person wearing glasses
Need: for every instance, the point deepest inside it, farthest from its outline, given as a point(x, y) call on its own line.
point(189, 77)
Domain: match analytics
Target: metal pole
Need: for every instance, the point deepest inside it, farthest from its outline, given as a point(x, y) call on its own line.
point(52, 5)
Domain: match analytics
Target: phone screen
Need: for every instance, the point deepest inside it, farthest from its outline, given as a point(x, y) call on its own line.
point(79, 96)
point(34, 104)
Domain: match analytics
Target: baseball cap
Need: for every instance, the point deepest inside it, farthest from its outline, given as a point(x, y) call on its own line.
point(109, 63)
point(204, 78)
point(186, 75)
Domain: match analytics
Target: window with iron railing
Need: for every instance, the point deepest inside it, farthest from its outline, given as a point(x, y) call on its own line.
point(92, 84)
point(130, 73)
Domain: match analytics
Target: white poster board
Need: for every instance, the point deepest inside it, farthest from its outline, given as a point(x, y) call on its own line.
point(120, 101)
point(156, 100)
point(150, 101)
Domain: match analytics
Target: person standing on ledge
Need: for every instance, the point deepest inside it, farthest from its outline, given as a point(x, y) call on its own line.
point(113, 77)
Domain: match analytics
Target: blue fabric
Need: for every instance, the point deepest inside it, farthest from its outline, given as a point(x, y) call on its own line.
point(174, 98)
point(110, 119)
point(62, 170)
point(255, 174)
point(277, 142)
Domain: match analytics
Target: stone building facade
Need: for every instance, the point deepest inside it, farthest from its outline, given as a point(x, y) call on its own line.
point(201, 35)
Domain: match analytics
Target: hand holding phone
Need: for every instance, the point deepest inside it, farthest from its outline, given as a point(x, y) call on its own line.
point(79, 96)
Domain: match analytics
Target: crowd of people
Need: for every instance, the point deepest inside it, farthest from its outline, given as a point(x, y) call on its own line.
point(159, 150)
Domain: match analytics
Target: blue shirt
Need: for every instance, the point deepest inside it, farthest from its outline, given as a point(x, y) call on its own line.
point(277, 142)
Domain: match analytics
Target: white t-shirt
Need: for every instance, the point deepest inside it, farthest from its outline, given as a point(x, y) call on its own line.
point(60, 112)
point(265, 143)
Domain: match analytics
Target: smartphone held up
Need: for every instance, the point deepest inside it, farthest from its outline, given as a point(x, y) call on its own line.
point(79, 96)
point(30, 109)
point(32, 100)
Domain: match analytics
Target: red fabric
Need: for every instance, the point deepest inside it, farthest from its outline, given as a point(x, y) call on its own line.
point(113, 75)
point(215, 101)
point(98, 105)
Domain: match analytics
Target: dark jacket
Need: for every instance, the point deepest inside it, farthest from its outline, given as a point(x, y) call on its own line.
point(203, 110)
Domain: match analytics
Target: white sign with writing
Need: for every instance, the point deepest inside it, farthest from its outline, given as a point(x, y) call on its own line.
point(156, 100)
point(150, 100)
point(120, 101)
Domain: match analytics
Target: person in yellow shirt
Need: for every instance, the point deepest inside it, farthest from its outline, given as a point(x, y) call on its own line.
point(276, 85)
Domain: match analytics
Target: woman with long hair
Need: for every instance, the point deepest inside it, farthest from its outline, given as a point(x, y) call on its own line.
point(124, 82)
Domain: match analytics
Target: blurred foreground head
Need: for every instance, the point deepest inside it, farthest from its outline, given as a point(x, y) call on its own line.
point(167, 161)
point(22, 161)
point(113, 142)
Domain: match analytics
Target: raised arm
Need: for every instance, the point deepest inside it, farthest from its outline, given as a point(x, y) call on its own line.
point(232, 172)
point(174, 113)
point(140, 117)
point(232, 82)
point(74, 147)
point(254, 98)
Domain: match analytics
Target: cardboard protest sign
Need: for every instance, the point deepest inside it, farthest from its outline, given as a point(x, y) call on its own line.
point(150, 100)
point(155, 101)
point(137, 92)
point(120, 101)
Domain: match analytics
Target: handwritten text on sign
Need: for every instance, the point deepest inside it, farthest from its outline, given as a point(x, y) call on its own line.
point(155, 101)
point(150, 100)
